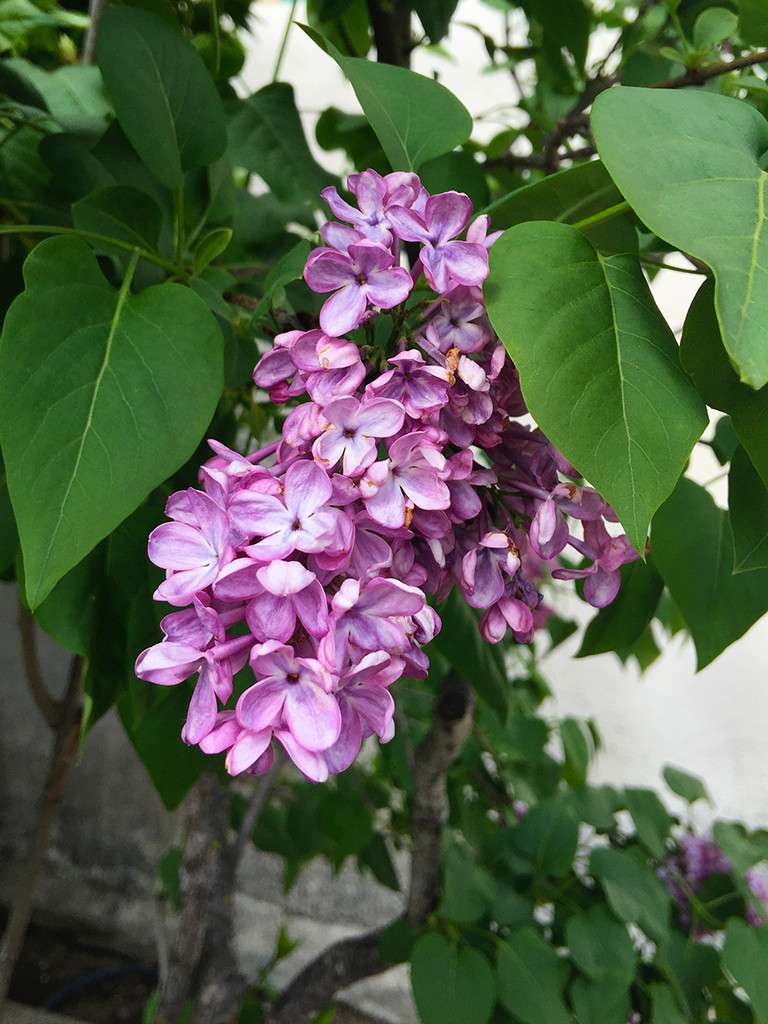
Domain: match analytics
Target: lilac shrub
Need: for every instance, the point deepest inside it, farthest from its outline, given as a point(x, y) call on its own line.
point(408, 467)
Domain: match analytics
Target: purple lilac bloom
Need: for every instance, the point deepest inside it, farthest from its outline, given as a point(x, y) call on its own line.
point(402, 469)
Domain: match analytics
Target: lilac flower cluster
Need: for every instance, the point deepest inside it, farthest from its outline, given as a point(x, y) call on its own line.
point(700, 857)
point(404, 471)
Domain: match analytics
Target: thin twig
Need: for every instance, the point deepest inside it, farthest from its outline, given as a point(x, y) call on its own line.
point(46, 705)
point(698, 76)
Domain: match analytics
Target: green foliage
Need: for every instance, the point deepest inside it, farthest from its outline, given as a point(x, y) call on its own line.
point(617, 402)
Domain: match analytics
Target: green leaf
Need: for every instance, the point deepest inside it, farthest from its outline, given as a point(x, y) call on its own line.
point(548, 835)
point(598, 365)
point(600, 946)
point(570, 196)
point(468, 890)
point(576, 748)
point(745, 955)
point(666, 1009)
point(748, 510)
point(531, 978)
point(618, 626)
point(287, 269)
point(480, 663)
point(68, 613)
point(600, 1002)
point(703, 191)
point(451, 985)
point(266, 137)
point(74, 94)
point(120, 212)
point(209, 247)
point(415, 118)
point(435, 17)
point(693, 551)
point(705, 359)
point(712, 26)
point(690, 787)
point(652, 819)
point(634, 891)
point(725, 441)
point(102, 396)
point(167, 105)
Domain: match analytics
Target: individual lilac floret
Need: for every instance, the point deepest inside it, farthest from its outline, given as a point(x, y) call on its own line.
point(355, 427)
point(366, 275)
point(446, 261)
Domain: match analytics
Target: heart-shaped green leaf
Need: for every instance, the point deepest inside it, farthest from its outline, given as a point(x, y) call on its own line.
point(167, 105)
point(598, 365)
point(693, 550)
point(703, 190)
point(136, 381)
point(451, 985)
point(415, 118)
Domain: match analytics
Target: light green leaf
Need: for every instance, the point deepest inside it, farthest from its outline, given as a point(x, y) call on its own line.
point(548, 836)
point(468, 890)
point(696, 563)
point(102, 396)
point(712, 26)
point(651, 818)
point(266, 137)
point(600, 1002)
point(600, 946)
point(74, 94)
point(167, 105)
point(748, 510)
point(415, 118)
point(451, 985)
point(209, 247)
point(690, 787)
point(598, 365)
point(745, 955)
point(531, 978)
point(702, 190)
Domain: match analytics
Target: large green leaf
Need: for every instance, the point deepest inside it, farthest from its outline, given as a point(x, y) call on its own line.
point(415, 118)
point(748, 509)
point(102, 396)
point(704, 358)
point(693, 550)
point(634, 891)
point(601, 947)
point(164, 98)
point(618, 626)
point(745, 955)
point(598, 365)
point(451, 985)
point(266, 137)
point(703, 190)
point(531, 978)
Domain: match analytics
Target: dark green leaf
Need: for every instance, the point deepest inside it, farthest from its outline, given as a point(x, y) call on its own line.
point(598, 366)
point(666, 1009)
point(451, 985)
point(68, 613)
point(696, 563)
point(570, 196)
point(377, 857)
point(397, 941)
point(600, 1002)
point(702, 190)
point(725, 440)
point(480, 663)
point(435, 17)
point(705, 359)
point(168, 105)
point(600, 947)
point(415, 118)
point(209, 247)
point(120, 212)
point(457, 172)
point(266, 137)
point(548, 835)
point(531, 978)
point(288, 269)
point(748, 510)
point(618, 626)
point(690, 787)
point(468, 890)
point(136, 381)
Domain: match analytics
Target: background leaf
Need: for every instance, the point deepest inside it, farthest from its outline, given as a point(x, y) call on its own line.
point(531, 978)
point(618, 626)
point(702, 190)
point(415, 118)
point(135, 389)
point(748, 510)
point(745, 954)
point(451, 985)
point(696, 563)
point(168, 105)
point(598, 367)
